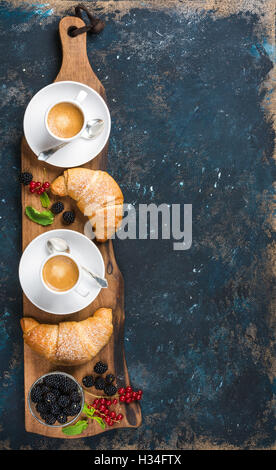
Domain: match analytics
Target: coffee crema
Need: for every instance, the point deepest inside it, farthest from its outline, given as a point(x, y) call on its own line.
point(60, 273)
point(65, 120)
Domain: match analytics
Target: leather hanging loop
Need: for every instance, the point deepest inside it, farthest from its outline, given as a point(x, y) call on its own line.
point(95, 27)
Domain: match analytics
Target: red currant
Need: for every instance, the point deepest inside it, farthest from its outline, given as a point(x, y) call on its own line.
point(95, 402)
point(115, 401)
point(119, 417)
point(122, 398)
point(128, 400)
point(128, 395)
point(107, 419)
point(37, 184)
point(102, 401)
point(102, 408)
point(128, 389)
point(140, 392)
point(32, 184)
point(110, 423)
point(42, 190)
point(108, 402)
point(139, 397)
point(32, 190)
point(107, 412)
point(112, 414)
point(121, 391)
point(134, 394)
point(46, 185)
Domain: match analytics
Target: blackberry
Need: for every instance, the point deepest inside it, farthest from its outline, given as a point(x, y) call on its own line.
point(61, 381)
point(63, 401)
point(25, 178)
point(57, 207)
point(88, 381)
point(45, 389)
point(75, 397)
point(50, 398)
point(52, 381)
point(62, 418)
point(36, 394)
point(109, 379)
point(55, 409)
point(50, 419)
point(110, 390)
point(56, 392)
point(67, 411)
point(75, 409)
point(100, 368)
point(67, 385)
point(68, 217)
point(74, 387)
point(42, 407)
point(99, 383)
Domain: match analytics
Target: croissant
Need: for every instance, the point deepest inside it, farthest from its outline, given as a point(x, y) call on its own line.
point(69, 343)
point(98, 196)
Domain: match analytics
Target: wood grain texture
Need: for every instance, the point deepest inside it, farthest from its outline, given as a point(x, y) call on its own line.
point(75, 66)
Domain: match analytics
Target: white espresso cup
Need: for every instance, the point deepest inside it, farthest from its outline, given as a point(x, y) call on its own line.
point(76, 102)
point(76, 287)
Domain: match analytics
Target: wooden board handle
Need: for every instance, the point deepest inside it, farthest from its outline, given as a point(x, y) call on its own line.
point(75, 64)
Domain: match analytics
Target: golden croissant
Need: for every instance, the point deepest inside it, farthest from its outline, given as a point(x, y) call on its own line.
point(98, 196)
point(69, 343)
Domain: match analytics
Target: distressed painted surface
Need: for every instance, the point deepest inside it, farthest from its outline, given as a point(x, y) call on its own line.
point(186, 95)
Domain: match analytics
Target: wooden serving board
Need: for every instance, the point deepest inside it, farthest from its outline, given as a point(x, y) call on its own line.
point(75, 66)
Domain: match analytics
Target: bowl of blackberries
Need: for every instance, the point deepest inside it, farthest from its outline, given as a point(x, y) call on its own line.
point(56, 399)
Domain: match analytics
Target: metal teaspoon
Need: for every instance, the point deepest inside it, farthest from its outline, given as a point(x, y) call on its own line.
point(94, 127)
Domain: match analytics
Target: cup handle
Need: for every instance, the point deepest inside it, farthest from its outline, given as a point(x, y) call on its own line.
point(81, 96)
point(81, 292)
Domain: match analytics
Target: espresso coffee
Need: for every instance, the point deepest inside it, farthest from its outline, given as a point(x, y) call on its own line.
point(60, 273)
point(65, 120)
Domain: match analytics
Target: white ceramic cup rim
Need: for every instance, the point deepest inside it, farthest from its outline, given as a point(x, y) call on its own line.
point(76, 103)
point(75, 286)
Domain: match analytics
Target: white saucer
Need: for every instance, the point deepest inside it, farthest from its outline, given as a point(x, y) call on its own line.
point(79, 151)
point(85, 252)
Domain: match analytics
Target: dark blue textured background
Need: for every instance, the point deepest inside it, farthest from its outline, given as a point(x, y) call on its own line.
point(188, 126)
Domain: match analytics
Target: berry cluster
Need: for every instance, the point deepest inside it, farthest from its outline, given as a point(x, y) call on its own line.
point(101, 406)
point(127, 395)
point(68, 216)
point(57, 397)
point(38, 187)
point(101, 383)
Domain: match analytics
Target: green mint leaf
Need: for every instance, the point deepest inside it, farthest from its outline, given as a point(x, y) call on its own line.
point(99, 420)
point(88, 411)
point(43, 218)
point(44, 199)
point(76, 428)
